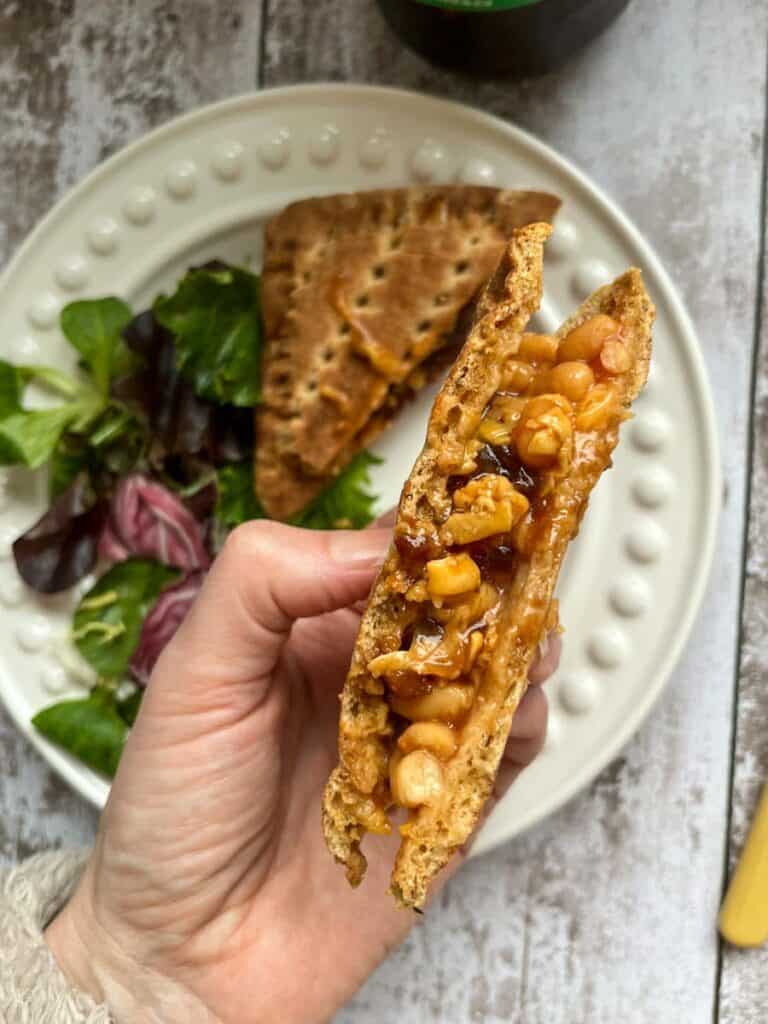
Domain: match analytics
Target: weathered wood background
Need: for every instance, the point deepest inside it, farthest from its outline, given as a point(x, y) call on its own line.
point(606, 912)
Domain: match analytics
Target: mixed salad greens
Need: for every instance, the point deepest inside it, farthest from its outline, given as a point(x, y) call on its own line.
point(150, 455)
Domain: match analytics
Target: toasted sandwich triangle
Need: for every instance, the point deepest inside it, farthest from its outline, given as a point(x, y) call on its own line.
point(362, 295)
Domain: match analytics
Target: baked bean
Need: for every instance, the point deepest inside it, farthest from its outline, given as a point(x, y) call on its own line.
point(614, 357)
point(598, 408)
point(545, 428)
point(586, 340)
point(517, 376)
point(437, 738)
point(538, 348)
point(443, 704)
point(416, 779)
point(573, 379)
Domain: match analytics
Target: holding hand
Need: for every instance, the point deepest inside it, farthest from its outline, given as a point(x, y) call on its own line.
point(210, 895)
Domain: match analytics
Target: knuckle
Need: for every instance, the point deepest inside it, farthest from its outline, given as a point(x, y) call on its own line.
point(249, 541)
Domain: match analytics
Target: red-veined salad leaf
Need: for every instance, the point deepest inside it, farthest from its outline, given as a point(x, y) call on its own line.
point(62, 546)
point(162, 622)
point(148, 520)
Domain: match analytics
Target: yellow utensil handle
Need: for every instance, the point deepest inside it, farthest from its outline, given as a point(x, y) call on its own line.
point(744, 914)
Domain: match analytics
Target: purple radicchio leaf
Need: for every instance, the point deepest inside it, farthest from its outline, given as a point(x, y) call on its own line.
point(62, 547)
point(162, 622)
point(202, 502)
point(179, 421)
point(149, 521)
point(111, 548)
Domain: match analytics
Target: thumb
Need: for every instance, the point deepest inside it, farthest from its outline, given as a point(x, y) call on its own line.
point(267, 576)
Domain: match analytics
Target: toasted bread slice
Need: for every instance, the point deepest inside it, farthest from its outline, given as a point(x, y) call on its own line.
point(466, 592)
point(358, 292)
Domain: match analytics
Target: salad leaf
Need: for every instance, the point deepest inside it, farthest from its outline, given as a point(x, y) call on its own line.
point(347, 502)
point(114, 447)
point(30, 436)
point(54, 380)
point(62, 546)
point(108, 620)
point(94, 327)
point(90, 728)
point(148, 520)
point(70, 457)
point(128, 707)
point(200, 497)
point(179, 421)
point(236, 501)
point(12, 383)
point(215, 318)
point(14, 379)
point(162, 622)
point(111, 424)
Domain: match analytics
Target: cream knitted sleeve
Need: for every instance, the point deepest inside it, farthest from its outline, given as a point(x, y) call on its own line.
point(32, 988)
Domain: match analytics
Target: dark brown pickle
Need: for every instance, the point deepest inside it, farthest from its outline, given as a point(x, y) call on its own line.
point(410, 684)
point(415, 550)
point(501, 460)
point(424, 627)
point(494, 556)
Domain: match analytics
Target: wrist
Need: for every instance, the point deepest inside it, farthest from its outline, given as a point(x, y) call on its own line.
point(71, 954)
point(97, 964)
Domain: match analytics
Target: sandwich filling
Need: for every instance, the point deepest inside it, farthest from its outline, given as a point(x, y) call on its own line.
point(558, 400)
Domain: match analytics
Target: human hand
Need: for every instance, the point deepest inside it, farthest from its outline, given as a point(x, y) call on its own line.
point(210, 895)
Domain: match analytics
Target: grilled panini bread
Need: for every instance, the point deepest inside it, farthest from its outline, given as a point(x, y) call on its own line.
point(518, 437)
point(361, 295)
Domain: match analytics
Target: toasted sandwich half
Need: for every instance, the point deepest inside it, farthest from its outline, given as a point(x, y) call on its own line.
point(365, 298)
point(519, 435)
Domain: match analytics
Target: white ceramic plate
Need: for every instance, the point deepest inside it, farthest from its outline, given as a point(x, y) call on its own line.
point(201, 187)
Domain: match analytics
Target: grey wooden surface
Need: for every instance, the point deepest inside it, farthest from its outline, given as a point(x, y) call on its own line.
point(606, 911)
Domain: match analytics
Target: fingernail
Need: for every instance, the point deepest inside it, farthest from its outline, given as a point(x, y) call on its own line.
point(359, 548)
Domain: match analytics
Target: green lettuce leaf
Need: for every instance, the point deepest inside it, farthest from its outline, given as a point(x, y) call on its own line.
point(128, 707)
point(113, 446)
point(69, 457)
point(215, 317)
point(236, 501)
point(347, 503)
point(12, 383)
point(108, 620)
point(55, 380)
point(14, 379)
point(29, 436)
point(93, 327)
point(91, 728)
